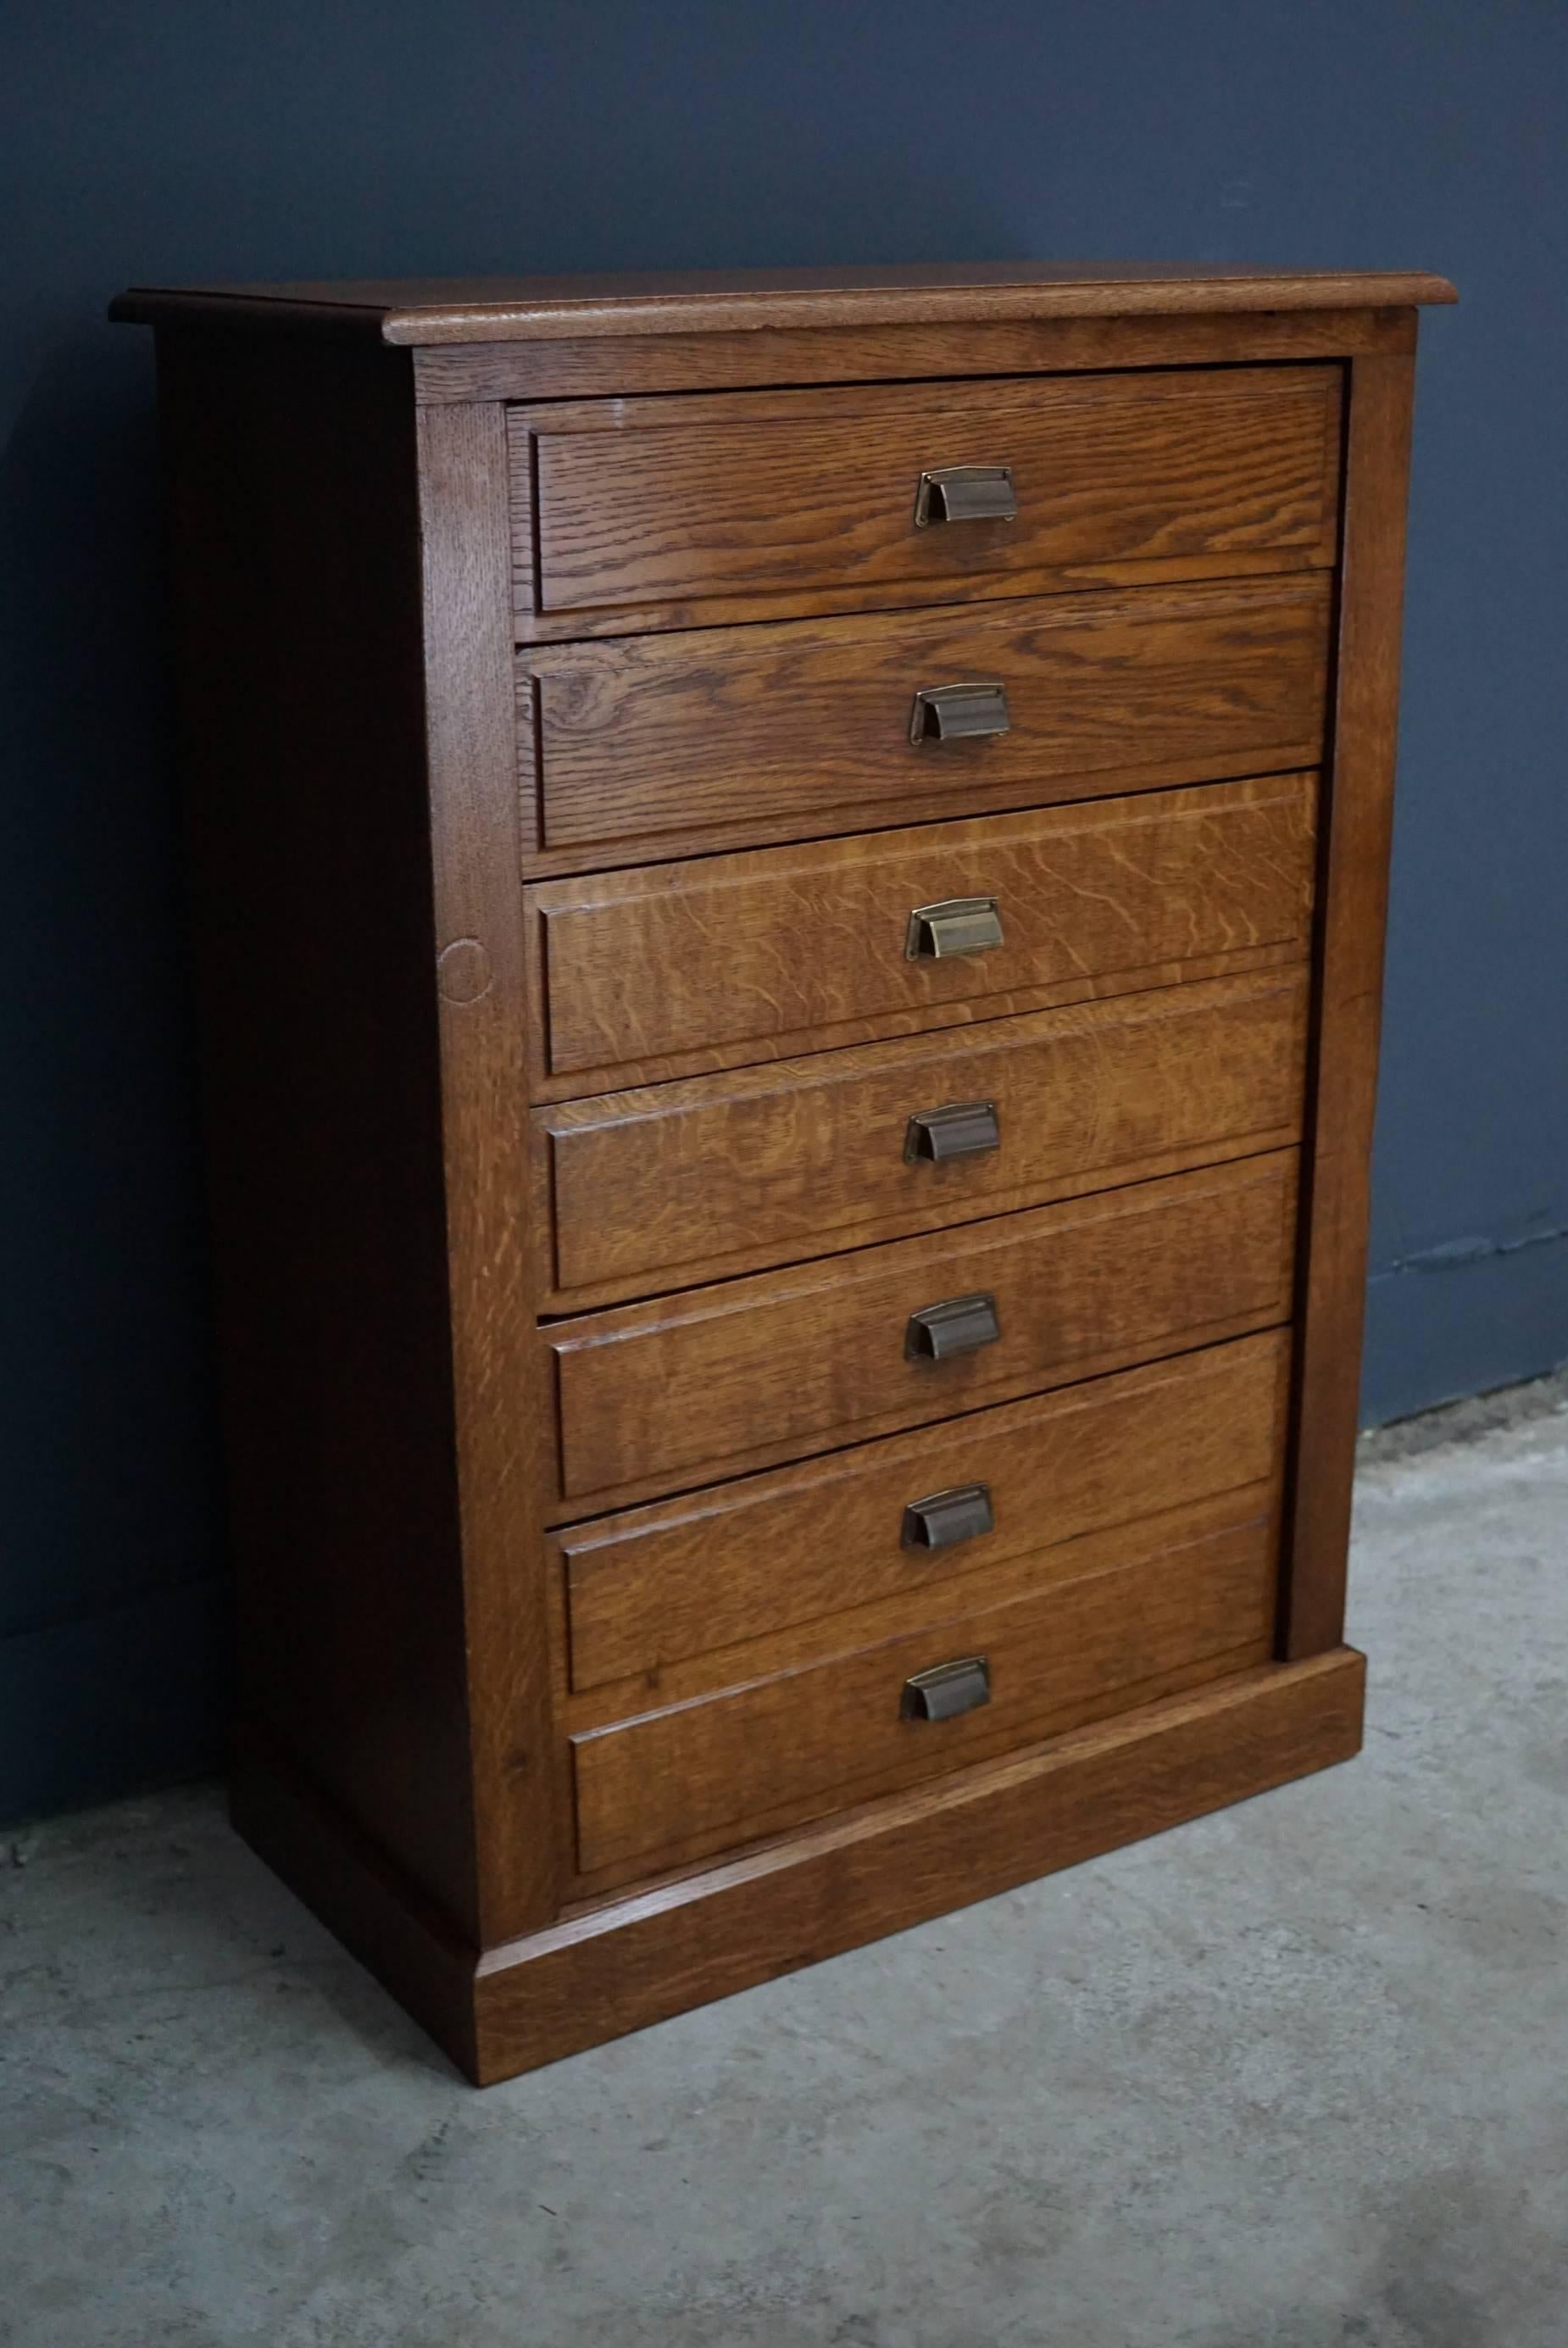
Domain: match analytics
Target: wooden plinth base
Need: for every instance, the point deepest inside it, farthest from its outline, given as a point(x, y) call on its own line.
point(811, 1894)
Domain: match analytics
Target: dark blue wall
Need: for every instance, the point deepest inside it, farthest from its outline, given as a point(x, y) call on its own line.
point(301, 138)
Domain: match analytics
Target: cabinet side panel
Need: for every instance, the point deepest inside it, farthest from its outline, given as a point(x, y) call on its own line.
point(1356, 830)
point(293, 501)
point(504, 1406)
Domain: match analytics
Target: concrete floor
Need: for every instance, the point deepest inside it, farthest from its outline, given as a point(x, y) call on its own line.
point(1292, 2075)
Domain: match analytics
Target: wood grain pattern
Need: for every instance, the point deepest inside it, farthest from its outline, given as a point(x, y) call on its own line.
point(811, 722)
point(886, 1026)
point(475, 971)
point(875, 1621)
point(689, 510)
point(444, 310)
point(665, 1186)
point(764, 953)
point(772, 1556)
point(784, 1363)
point(1349, 1006)
point(767, 358)
point(682, 1782)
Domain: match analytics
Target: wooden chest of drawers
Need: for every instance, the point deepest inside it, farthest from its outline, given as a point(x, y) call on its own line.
point(789, 895)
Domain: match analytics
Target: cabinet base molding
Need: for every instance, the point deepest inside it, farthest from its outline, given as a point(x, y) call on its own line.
point(647, 1955)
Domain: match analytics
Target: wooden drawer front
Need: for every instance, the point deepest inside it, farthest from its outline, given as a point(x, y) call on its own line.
point(659, 1594)
point(769, 1368)
point(761, 732)
point(782, 949)
point(669, 511)
point(726, 1173)
point(679, 1783)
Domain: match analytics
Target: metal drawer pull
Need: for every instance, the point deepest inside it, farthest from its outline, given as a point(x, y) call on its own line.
point(960, 1325)
point(965, 494)
point(958, 713)
point(958, 926)
point(959, 1129)
point(943, 1520)
point(947, 1690)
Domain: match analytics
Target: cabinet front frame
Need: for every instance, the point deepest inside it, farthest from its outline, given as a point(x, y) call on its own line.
point(521, 1797)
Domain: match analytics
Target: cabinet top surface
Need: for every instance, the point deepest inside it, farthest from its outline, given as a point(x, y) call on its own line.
point(421, 312)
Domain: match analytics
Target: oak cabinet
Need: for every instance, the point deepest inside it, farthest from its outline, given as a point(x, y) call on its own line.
point(787, 878)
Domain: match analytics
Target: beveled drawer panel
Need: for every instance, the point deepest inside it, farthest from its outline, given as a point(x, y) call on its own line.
point(661, 1186)
point(676, 1784)
point(700, 1385)
point(737, 735)
point(785, 948)
point(667, 512)
point(690, 1593)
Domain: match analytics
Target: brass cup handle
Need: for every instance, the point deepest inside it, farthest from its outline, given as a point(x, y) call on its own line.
point(956, 925)
point(959, 1324)
point(943, 1520)
point(958, 713)
point(965, 494)
point(947, 1690)
point(957, 1129)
